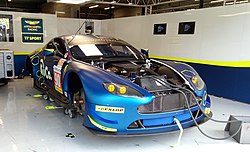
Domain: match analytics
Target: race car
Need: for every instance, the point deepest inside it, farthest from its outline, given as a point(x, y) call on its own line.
point(116, 88)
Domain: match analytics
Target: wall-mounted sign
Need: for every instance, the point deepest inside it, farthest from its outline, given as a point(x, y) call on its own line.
point(32, 25)
point(186, 28)
point(32, 30)
point(160, 28)
point(32, 38)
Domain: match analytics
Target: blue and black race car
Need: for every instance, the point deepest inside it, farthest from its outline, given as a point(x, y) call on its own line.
point(118, 89)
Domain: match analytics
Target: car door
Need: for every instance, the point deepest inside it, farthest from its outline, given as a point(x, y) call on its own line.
point(46, 64)
point(55, 64)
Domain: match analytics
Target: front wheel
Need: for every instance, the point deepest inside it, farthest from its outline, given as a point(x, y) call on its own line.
point(78, 105)
point(79, 101)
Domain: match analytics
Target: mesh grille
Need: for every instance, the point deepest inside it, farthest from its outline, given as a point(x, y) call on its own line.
point(167, 102)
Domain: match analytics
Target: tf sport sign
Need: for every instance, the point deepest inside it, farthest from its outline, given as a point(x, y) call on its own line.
point(32, 38)
point(32, 30)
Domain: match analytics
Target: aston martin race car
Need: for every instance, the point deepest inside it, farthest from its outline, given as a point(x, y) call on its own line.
point(116, 88)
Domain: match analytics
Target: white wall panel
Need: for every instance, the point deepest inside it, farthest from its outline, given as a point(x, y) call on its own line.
point(221, 33)
point(67, 26)
point(49, 28)
point(132, 30)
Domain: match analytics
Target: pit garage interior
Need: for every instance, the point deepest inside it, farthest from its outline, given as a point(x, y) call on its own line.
point(217, 47)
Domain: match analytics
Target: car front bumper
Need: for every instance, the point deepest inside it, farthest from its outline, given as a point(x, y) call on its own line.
point(126, 120)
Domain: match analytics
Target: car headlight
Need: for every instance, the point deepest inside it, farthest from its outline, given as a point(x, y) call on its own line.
point(198, 82)
point(122, 90)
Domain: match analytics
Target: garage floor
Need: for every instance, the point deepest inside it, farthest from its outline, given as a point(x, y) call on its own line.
point(26, 126)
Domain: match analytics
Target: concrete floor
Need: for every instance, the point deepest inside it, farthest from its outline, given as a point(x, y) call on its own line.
point(26, 126)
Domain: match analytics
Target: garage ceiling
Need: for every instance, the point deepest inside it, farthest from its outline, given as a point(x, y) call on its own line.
point(100, 6)
point(21, 5)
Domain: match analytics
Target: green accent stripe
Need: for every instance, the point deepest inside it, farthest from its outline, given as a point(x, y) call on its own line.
point(239, 64)
point(22, 53)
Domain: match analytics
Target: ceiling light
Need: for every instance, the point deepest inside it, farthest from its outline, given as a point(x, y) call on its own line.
point(239, 2)
point(94, 6)
point(72, 1)
point(216, 1)
point(9, 0)
point(107, 8)
point(229, 3)
point(59, 12)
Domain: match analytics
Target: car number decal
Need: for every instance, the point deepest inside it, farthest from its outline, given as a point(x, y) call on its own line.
point(58, 75)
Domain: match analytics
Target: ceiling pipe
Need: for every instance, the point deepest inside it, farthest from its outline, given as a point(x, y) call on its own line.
point(131, 5)
point(167, 2)
point(173, 8)
point(119, 4)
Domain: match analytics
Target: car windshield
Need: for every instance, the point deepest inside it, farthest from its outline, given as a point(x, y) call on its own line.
point(116, 50)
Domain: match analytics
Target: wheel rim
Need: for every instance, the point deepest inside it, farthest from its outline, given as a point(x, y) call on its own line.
point(79, 101)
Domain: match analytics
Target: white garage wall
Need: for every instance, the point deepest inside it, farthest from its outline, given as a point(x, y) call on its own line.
point(221, 34)
point(52, 26)
point(49, 28)
point(70, 26)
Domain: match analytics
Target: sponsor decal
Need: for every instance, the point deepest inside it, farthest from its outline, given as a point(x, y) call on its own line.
point(109, 109)
point(58, 75)
point(44, 70)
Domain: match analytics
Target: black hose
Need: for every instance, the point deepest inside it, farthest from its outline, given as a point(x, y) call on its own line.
point(197, 125)
point(210, 118)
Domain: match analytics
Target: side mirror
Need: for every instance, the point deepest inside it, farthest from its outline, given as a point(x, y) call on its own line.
point(145, 52)
point(48, 52)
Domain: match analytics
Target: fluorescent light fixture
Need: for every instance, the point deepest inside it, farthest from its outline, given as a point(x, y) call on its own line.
point(239, 2)
point(216, 1)
point(72, 1)
point(59, 12)
point(229, 3)
point(94, 6)
point(107, 8)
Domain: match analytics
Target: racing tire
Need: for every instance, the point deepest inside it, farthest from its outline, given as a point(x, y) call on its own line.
point(79, 98)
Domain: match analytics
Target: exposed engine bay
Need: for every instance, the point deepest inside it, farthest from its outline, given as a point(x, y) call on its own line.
point(132, 70)
point(155, 79)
